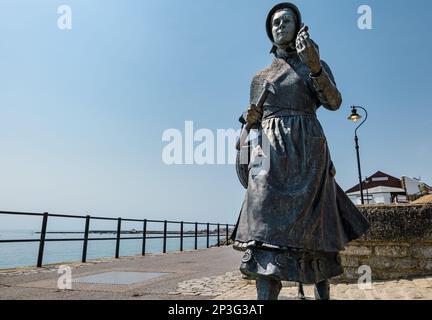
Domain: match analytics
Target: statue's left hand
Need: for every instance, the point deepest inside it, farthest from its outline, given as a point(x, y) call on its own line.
point(307, 51)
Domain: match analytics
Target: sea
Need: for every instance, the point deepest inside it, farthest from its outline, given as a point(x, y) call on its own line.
point(25, 254)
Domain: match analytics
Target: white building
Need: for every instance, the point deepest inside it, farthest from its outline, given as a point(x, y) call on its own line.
point(380, 188)
point(415, 188)
point(378, 195)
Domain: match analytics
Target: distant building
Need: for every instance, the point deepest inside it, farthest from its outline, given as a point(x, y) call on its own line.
point(415, 188)
point(380, 188)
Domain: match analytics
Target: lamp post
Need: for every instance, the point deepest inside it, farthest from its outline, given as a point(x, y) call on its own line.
point(356, 117)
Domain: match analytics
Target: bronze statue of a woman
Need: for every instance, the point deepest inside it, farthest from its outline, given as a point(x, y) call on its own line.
point(295, 218)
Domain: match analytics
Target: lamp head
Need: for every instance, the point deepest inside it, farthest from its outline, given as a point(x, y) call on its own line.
point(354, 115)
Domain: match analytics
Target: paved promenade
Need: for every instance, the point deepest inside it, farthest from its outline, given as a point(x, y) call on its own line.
point(194, 275)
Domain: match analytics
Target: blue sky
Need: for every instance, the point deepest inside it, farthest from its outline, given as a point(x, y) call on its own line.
point(83, 111)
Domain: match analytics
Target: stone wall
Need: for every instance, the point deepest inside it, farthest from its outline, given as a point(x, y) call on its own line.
point(398, 245)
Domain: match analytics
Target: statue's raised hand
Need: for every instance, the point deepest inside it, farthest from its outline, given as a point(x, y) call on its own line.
point(253, 114)
point(307, 50)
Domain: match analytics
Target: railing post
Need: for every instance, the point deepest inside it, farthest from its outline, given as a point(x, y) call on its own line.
point(208, 235)
point(117, 253)
point(144, 237)
point(218, 236)
point(196, 235)
point(42, 239)
point(227, 235)
point(165, 236)
point(86, 236)
point(181, 236)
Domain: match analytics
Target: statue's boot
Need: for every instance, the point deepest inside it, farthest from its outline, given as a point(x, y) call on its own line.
point(322, 290)
point(268, 289)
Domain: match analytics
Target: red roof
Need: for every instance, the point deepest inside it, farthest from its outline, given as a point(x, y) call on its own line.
point(376, 180)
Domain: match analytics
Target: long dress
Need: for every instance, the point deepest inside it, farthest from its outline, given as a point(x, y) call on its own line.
point(295, 218)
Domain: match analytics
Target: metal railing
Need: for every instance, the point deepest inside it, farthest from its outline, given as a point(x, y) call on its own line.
point(182, 234)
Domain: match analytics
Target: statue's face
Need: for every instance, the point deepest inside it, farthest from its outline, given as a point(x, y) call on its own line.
point(284, 27)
